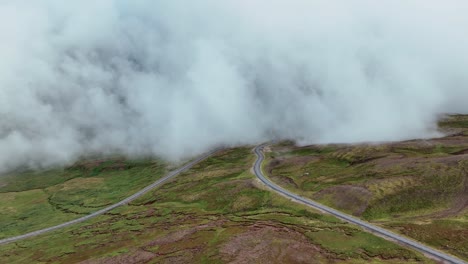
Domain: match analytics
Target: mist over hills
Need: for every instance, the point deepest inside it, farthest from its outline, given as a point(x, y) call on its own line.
point(175, 78)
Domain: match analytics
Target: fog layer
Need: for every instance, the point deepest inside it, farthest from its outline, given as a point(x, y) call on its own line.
point(176, 78)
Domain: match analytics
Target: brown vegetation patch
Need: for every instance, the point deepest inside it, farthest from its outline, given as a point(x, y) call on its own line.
point(450, 160)
point(87, 165)
point(346, 197)
point(270, 244)
point(138, 256)
point(449, 237)
point(459, 205)
point(407, 162)
point(462, 152)
point(390, 185)
point(390, 161)
point(78, 183)
point(451, 140)
point(170, 246)
point(172, 237)
point(102, 164)
point(182, 234)
point(238, 184)
point(283, 180)
point(290, 161)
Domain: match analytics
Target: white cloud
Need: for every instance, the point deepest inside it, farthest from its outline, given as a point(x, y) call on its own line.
point(175, 78)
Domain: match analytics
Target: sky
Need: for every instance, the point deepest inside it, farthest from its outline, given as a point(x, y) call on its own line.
point(173, 79)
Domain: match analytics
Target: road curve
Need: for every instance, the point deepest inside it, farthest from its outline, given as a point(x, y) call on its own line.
point(140, 193)
point(348, 218)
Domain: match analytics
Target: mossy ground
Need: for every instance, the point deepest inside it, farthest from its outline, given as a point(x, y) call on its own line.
point(215, 213)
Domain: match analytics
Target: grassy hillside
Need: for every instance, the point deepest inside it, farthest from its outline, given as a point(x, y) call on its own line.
point(215, 213)
point(34, 200)
point(418, 187)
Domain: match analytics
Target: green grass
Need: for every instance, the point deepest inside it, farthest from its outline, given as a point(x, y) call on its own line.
point(25, 211)
point(35, 180)
point(350, 243)
point(69, 193)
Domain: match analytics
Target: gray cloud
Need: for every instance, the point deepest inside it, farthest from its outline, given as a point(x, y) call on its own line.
point(175, 78)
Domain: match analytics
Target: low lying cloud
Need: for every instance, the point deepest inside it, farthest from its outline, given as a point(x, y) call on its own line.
point(176, 78)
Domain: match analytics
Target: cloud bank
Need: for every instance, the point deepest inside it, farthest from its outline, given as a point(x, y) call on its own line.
point(176, 78)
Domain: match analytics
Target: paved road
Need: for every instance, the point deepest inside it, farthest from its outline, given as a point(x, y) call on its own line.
point(157, 183)
point(374, 229)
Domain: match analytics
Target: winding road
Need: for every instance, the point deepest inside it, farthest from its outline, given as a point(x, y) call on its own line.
point(140, 193)
point(348, 218)
point(258, 172)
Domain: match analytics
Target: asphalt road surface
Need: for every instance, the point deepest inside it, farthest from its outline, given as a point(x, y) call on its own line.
point(348, 218)
point(140, 193)
point(258, 172)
